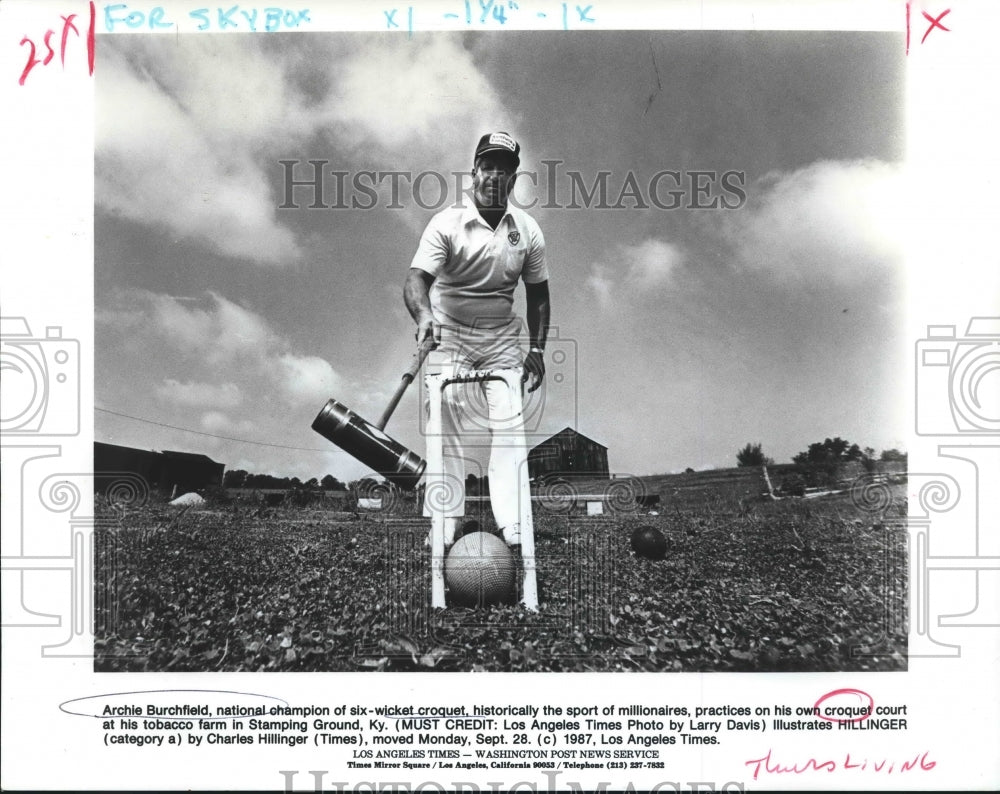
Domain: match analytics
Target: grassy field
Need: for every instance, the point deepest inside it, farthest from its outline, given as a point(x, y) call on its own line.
point(747, 584)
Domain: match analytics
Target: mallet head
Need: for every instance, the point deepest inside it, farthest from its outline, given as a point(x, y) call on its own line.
point(365, 442)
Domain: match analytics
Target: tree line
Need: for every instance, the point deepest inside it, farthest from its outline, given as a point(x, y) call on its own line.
point(830, 450)
point(238, 478)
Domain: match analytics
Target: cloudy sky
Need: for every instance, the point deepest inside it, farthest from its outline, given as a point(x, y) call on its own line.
point(683, 333)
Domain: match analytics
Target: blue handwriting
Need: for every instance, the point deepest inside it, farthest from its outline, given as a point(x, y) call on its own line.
point(235, 17)
point(491, 13)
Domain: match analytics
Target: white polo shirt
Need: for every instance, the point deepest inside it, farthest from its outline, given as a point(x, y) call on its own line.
point(476, 268)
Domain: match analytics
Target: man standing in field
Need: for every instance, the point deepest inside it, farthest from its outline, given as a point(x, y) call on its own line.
point(460, 291)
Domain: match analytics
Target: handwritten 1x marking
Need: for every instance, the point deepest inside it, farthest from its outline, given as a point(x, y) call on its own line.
point(935, 23)
point(67, 26)
point(390, 20)
point(582, 12)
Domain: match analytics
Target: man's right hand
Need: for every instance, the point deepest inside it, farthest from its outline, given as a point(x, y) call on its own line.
point(416, 295)
point(428, 330)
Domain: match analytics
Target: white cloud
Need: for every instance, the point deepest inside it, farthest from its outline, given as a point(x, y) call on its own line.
point(220, 424)
point(165, 156)
point(602, 284)
point(219, 332)
point(307, 379)
point(191, 394)
point(415, 98)
point(182, 145)
point(415, 106)
point(651, 262)
point(633, 270)
point(212, 336)
point(238, 330)
point(831, 220)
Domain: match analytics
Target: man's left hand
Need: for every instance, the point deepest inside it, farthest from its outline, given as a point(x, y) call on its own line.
point(534, 370)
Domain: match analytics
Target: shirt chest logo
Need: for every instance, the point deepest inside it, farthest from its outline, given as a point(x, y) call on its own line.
point(514, 237)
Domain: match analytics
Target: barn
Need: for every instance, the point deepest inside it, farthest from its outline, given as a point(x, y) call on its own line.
point(188, 471)
point(112, 459)
point(569, 454)
point(164, 471)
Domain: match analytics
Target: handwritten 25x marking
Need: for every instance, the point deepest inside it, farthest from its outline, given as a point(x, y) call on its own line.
point(67, 26)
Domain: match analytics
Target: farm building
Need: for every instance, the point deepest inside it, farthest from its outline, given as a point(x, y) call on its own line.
point(164, 471)
point(190, 471)
point(111, 459)
point(569, 454)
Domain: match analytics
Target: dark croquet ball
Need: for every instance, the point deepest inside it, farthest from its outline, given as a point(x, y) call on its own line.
point(467, 528)
point(649, 542)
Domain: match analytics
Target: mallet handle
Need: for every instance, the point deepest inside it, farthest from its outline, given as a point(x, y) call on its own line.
point(408, 376)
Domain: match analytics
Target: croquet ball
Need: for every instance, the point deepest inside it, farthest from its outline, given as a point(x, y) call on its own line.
point(649, 542)
point(479, 570)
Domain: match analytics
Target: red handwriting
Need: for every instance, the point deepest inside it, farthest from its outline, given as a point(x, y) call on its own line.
point(68, 26)
point(935, 23)
point(845, 713)
point(767, 765)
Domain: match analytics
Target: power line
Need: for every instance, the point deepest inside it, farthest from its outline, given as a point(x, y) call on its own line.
point(210, 435)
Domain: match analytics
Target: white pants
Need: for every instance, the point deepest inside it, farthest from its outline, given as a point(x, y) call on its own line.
point(485, 412)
